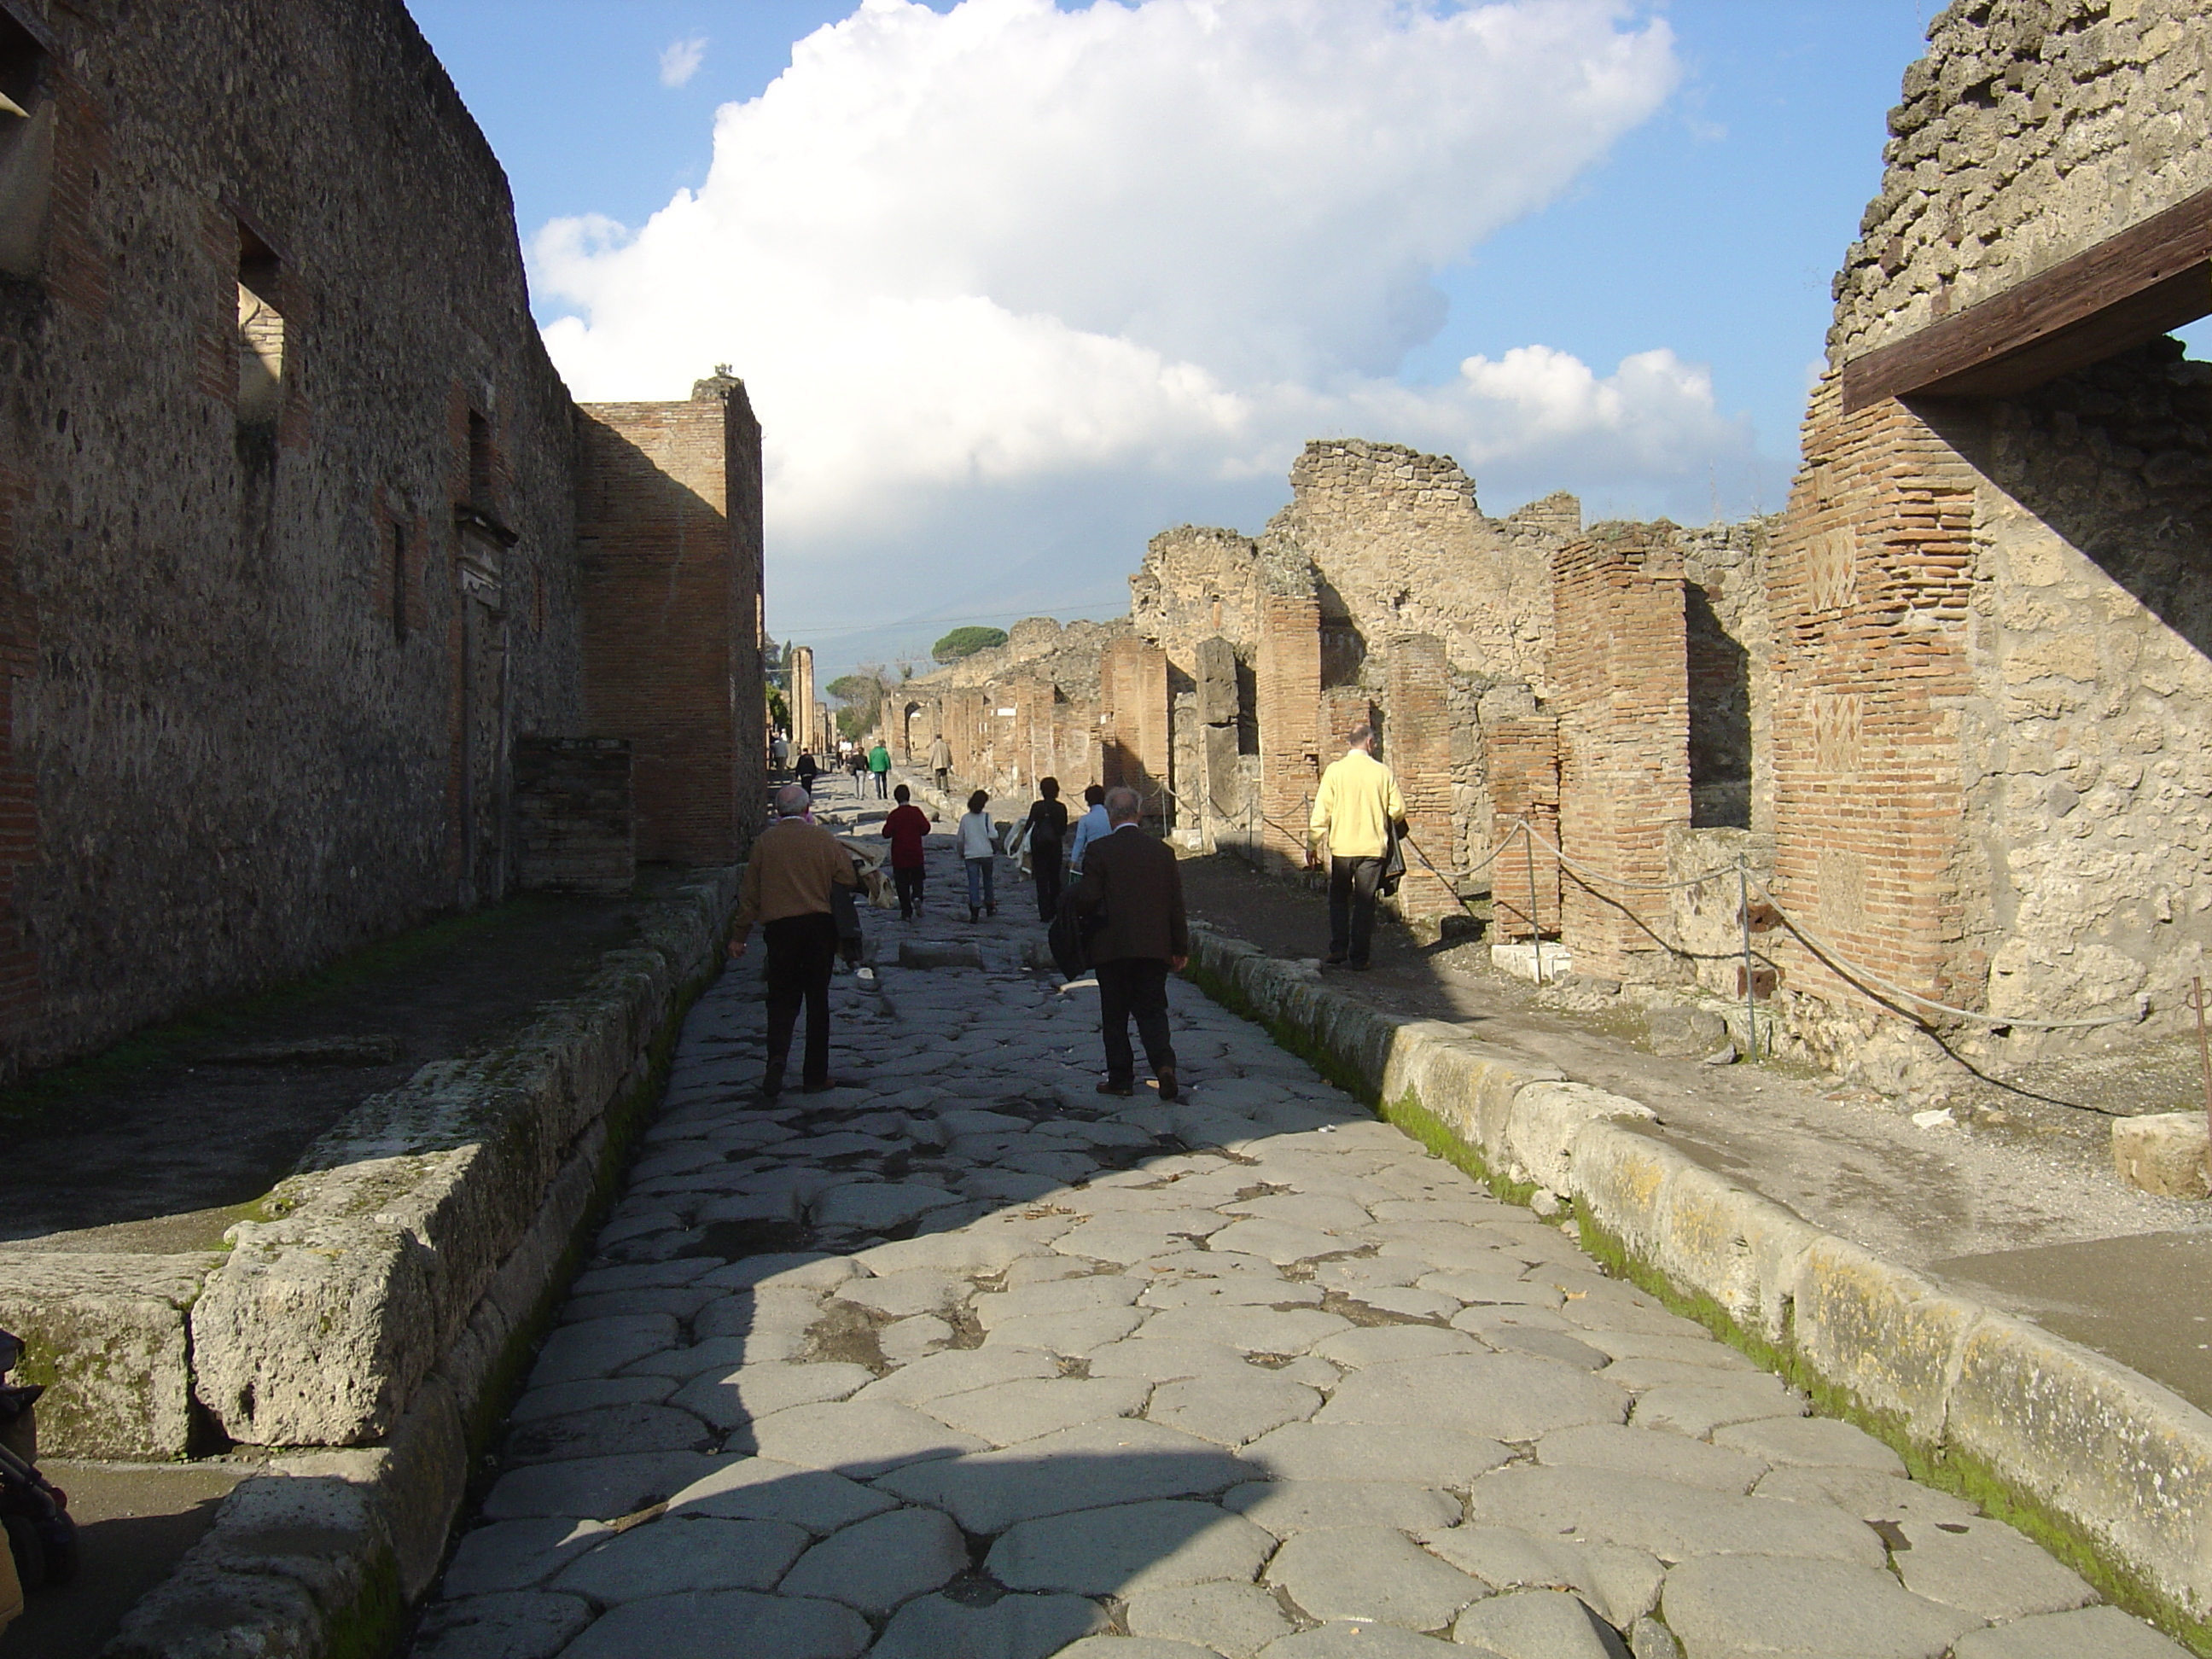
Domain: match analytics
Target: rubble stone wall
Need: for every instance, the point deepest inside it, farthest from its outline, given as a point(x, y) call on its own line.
point(2031, 131)
point(232, 596)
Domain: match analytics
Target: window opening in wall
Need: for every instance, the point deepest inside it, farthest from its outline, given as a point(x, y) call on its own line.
point(27, 149)
point(260, 333)
point(399, 583)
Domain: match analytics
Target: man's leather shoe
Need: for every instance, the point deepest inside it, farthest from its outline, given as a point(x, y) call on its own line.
point(1122, 1089)
point(1170, 1090)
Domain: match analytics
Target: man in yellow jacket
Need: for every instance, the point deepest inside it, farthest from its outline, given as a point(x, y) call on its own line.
point(1355, 810)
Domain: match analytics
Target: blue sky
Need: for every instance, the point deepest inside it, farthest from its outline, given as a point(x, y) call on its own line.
point(1693, 203)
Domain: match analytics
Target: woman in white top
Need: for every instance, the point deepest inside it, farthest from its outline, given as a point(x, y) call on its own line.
point(978, 850)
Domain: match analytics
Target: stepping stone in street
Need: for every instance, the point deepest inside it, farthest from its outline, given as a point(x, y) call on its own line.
point(928, 954)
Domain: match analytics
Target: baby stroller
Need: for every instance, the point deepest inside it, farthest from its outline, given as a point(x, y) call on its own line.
point(34, 1512)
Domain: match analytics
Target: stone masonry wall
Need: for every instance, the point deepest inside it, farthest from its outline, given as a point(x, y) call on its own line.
point(232, 596)
point(2031, 130)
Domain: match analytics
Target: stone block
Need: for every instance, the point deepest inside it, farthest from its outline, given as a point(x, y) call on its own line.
point(2163, 1152)
point(108, 1334)
point(917, 953)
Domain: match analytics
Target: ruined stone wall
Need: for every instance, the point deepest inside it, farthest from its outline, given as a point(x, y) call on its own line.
point(1987, 669)
point(669, 534)
point(1034, 707)
point(240, 738)
point(1402, 547)
point(2030, 131)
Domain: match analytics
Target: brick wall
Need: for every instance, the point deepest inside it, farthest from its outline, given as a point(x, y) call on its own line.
point(1418, 747)
point(1870, 586)
point(1622, 688)
point(1286, 676)
point(1133, 686)
point(574, 827)
point(668, 537)
point(1521, 761)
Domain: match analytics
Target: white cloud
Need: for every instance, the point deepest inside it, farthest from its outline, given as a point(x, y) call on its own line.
point(1131, 253)
point(681, 60)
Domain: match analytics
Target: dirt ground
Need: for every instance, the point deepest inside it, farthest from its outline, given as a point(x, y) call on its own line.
point(116, 1153)
point(2013, 1200)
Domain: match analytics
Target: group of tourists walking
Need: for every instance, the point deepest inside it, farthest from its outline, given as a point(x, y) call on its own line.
point(1121, 887)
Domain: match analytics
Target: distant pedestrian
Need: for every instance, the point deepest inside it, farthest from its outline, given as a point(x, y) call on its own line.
point(856, 762)
point(904, 830)
point(979, 851)
point(787, 887)
point(879, 762)
point(808, 771)
point(941, 763)
point(1357, 810)
point(1047, 834)
point(1134, 878)
point(779, 751)
point(1091, 826)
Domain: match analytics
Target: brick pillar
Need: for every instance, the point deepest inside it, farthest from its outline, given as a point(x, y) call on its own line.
point(1869, 586)
point(668, 528)
point(1137, 672)
point(1621, 674)
point(1286, 675)
point(1521, 759)
point(1417, 739)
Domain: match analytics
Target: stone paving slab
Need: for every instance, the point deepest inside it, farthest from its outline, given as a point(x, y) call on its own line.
point(1006, 1369)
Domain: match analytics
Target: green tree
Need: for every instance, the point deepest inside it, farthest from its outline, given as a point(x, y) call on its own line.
point(778, 711)
point(966, 642)
point(859, 696)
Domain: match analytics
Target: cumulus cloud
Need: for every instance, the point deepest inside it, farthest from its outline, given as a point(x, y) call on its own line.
point(680, 61)
point(1134, 250)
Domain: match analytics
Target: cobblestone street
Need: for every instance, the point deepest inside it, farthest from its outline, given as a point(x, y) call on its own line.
point(967, 1360)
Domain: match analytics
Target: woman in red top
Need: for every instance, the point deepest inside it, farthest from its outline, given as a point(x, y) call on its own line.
point(904, 830)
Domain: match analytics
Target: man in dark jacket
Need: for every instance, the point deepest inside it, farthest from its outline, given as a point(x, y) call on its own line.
point(786, 889)
point(1137, 880)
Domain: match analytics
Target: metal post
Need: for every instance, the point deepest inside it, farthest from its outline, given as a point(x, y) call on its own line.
point(1750, 992)
point(1535, 923)
point(2203, 1052)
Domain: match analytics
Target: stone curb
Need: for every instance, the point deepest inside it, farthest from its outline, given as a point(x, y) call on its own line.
point(372, 1330)
point(2119, 1463)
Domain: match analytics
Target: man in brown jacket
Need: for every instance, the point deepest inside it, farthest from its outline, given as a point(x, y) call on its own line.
point(788, 876)
point(1137, 881)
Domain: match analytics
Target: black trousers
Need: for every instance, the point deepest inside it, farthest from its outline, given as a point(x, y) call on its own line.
point(883, 785)
point(1352, 906)
point(1045, 869)
point(908, 882)
point(800, 951)
point(1138, 986)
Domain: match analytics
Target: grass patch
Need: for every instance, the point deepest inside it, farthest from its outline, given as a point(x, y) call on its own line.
point(189, 1033)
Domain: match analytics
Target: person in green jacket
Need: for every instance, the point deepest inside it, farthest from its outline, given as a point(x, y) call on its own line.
point(879, 762)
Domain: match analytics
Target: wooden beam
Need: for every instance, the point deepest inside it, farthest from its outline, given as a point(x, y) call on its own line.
point(2152, 277)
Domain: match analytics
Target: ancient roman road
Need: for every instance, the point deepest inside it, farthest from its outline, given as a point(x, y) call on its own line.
point(968, 1361)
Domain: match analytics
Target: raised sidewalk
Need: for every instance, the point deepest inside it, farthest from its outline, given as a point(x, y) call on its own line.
point(2109, 1468)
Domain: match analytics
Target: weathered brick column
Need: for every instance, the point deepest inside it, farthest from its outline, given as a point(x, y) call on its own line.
point(1286, 673)
point(1133, 684)
point(1521, 758)
point(1621, 677)
point(1418, 746)
point(1870, 582)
